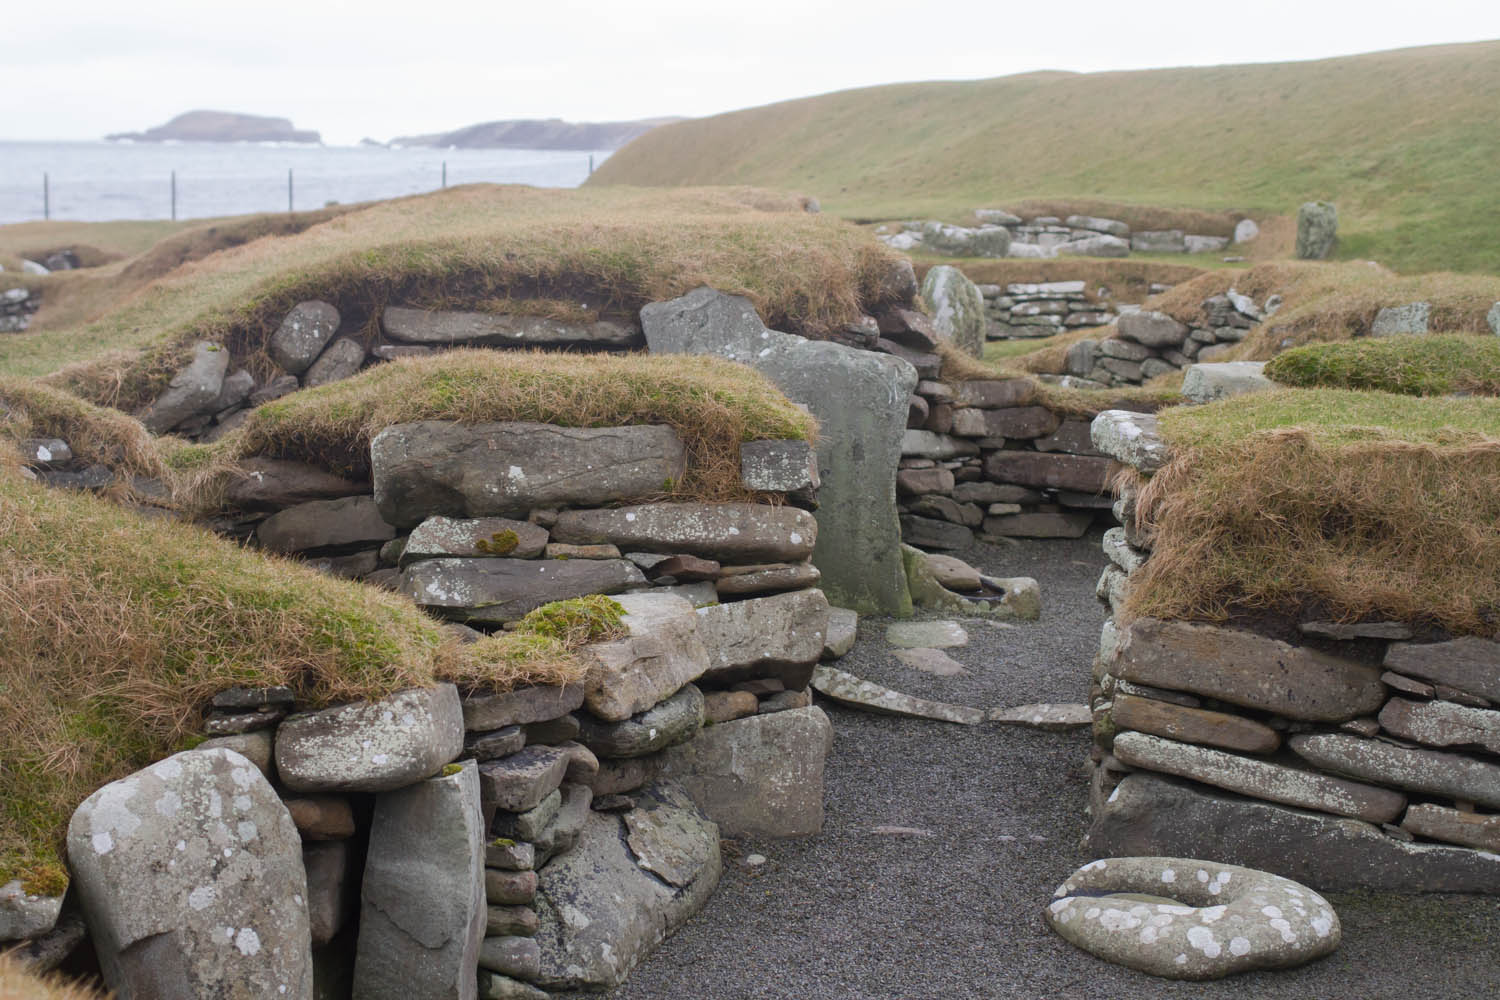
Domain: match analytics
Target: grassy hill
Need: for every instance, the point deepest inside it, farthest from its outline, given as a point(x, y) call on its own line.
point(1404, 142)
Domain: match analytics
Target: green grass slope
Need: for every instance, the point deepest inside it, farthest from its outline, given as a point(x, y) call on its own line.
point(1403, 141)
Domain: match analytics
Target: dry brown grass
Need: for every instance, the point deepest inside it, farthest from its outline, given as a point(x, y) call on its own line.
point(118, 629)
point(1354, 506)
point(17, 983)
point(612, 250)
point(95, 433)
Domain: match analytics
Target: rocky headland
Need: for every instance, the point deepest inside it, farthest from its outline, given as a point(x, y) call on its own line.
point(221, 126)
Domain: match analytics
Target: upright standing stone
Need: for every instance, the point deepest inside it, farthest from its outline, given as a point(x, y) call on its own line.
point(190, 874)
point(423, 913)
point(1317, 230)
point(859, 399)
point(957, 308)
point(192, 390)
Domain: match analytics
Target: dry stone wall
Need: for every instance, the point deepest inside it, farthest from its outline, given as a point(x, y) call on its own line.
point(1002, 234)
point(1362, 755)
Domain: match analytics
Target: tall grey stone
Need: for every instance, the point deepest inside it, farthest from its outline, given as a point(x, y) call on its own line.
point(1493, 318)
point(508, 469)
point(422, 914)
point(303, 334)
point(190, 874)
point(1317, 230)
point(860, 401)
point(957, 308)
point(758, 777)
point(611, 900)
point(192, 390)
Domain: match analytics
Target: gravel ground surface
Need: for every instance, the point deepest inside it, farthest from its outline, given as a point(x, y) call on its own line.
point(953, 907)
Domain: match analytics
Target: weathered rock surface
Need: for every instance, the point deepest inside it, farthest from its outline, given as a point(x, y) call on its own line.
point(851, 690)
point(993, 394)
point(1207, 382)
point(1248, 669)
point(602, 911)
point(662, 653)
point(663, 725)
point(470, 538)
point(1317, 230)
point(1184, 919)
point(371, 746)
point(760, 776)
point(422, 914)
point(1260, 779)
point(1006, 599)
point(1454, 826)
point(728, 532)
point(1132, 438)
point(510, 468)
point(537, 703)
point(274, 483)
point(1193, 725)
point(957, 308)
point(339, 360)
point(190, 875)
point(780, 636)
point(24, 914)
point(1429, 771)
point(1019, 422)
point(768, 578)
point(1154, 329)
point(1442, 723)
point(321, 817)
point(843, 630)
point(521, 781)
point(1410, 319)
point(1082, 473)
point(778, 466)
point(325, 524)
point(192, 390)
point(859, 399)
point(1148, 813)
point(329, 893)
point(1468, 663)
point(1049, 717)
point(432, 326)
point(303, 334)
point(504, 590)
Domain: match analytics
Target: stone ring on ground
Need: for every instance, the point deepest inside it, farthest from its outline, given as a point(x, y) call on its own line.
point(1184, 919)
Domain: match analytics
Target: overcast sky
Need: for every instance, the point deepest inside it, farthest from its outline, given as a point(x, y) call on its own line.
point(81, 68)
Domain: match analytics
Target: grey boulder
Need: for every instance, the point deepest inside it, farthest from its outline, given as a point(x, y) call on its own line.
point(325, 524)
point(371, 746)
point(192, 390)
point(957, 308)
point(661, 652)
point(1210, 381)
point(190, 874)
point(303, 334)
point(780, 636)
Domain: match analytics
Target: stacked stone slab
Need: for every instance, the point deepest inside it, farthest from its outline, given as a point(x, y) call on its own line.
point(1346, 755)
point(1025, 310)
point(1150, 343)
point(16, 308)
point(1002, 234)
point(986, 459)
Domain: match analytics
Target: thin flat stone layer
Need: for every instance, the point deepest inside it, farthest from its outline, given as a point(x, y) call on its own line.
point(432, 326)
point(504, 590)
point(727, 532)
point(507, 469)
point(1150, 814)
point(1441, 823)
point(851, 690)
point(1132, 438)
point(1048, 717)
point(1442, 723)
point(1193, 725)
point(1180, 918)
point(1468, 663)
point(1260, 779)
point(1247, 669)
point(1433, 772)
point(470, 538)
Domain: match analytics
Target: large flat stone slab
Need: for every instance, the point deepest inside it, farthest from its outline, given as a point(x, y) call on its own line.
point(476, 329)
point(760, 776)
point(1180, 918)
point(473, 538)
point(780, 636)
point(1432, 772)
point(509, 468)
point(1468, 663)
point(727, 532)
point(662, 652)
point(192, 390)
point(1193, 725)
point(601, 911)
point(1442, 723)
point(325, 524)
point(1247, 669)
point(275, 483)
point(190, 875)
point(371, 746)
point(1132, 438)
point(856, 691)
point(1052, 470)
point(860, 401)
point(1149, 814)
point(1260, 779)
point(422, 913)
point(1210, 381)
point(1454, 826)
point(504, 590)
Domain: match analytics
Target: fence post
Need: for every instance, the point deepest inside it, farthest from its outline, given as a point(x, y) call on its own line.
point(445, 174)
point(46, 197)
point(174, 196)
point(288, 189)
point(591, 164)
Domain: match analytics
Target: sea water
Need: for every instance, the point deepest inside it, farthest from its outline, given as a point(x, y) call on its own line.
point(96, 181)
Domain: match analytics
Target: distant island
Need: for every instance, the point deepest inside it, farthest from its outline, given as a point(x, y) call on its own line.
point(221, 126)
point(532, 133)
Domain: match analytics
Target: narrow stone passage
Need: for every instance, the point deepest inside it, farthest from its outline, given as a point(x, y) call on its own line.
point(943, 843)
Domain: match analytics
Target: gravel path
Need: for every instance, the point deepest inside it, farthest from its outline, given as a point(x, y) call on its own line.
point(953, 908)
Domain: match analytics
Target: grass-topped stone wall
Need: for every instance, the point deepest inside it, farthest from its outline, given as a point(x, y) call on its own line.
point(1305, 598)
